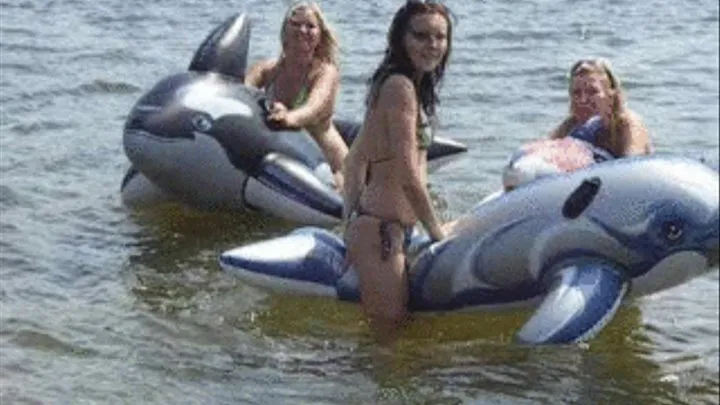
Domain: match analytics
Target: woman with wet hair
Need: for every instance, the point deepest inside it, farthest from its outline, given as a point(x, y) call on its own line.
point(386, 169)
point(303, 83)
point(595, 91)
point(599, 127)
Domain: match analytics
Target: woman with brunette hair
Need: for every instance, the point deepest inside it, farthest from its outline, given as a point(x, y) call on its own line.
point(385, 171)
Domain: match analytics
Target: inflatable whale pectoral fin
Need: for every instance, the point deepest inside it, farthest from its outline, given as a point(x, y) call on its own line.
point(289, 189)
point(136, 190)
point(225, 50)
point(582, 299)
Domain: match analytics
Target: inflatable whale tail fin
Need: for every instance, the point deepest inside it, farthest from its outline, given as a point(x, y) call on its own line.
point(225, 50)
point(306, 261)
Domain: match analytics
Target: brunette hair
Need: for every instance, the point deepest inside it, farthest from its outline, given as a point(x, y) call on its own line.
point(396, 59)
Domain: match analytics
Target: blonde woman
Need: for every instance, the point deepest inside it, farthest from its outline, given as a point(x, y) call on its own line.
point(303, 83)
point(595, 90)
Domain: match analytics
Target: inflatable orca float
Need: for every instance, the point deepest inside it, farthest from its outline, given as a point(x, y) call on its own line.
point(200, 137)
point(573, 246)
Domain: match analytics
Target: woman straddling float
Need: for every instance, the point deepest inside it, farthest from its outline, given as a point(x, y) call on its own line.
point(386, 169)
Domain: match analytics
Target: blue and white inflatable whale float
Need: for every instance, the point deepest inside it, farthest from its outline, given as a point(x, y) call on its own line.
point(573, 246)
point(200, 138)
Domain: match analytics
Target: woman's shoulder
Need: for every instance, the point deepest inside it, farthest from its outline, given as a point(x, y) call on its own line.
point(268, 64)
point(563, 128)
point(628, 114)
point(258, 73)
point(263, 66)
point(323, 68)
point(630, 119)
point(397, 86)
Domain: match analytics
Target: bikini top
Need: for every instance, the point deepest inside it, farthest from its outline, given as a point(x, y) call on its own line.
point(424, 131)
point(300, 99)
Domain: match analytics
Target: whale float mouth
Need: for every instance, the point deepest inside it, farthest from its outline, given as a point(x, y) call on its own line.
point(714, 247)
point(714, 256)
point(713, 240)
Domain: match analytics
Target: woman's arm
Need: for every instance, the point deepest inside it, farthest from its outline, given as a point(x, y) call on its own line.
point(321, 100)
point(633, 138)
point(257, 74)
point(354, 172)
point(398, 101)
point(561, 130)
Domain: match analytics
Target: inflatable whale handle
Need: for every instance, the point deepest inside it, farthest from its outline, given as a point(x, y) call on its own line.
point(588, 130)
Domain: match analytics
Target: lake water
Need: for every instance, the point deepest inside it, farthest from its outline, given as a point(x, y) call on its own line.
point(100, 304)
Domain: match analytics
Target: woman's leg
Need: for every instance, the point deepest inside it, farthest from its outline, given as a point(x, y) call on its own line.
point(381, 272)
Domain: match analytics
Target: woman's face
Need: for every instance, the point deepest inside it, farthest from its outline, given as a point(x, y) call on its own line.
point(302, 31)
point(590, 95)
point(426, 41)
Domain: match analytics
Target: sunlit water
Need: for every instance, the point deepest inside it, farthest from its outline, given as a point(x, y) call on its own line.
point(99, 304)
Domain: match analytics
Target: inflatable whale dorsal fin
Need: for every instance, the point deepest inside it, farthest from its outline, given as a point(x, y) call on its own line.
point(225, 50)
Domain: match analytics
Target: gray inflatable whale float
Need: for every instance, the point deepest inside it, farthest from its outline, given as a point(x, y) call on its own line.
point(200, 138)
point(573, 246)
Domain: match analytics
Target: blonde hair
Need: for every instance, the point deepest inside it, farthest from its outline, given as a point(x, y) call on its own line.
point(327, 49)
point(602, 67)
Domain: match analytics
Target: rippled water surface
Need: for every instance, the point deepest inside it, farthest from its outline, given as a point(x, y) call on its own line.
point(100, 304)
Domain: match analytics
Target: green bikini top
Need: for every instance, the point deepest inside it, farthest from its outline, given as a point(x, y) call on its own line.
point(300, 99)
point(424, 132)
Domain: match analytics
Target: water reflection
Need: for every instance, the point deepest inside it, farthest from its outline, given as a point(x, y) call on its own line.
point(460, 357)
point(174, 262)
point(447, 358)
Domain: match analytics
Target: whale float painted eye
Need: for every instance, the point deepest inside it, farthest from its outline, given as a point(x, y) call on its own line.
point(672, 231)
point(202, 122)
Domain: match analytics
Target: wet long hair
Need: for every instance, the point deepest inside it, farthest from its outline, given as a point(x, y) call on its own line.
point(397, 60)
point(602, 67)
point(327, 49)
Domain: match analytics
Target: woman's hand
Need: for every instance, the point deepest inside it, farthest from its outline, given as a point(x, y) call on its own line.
point(281, 117)
point(437, 233)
